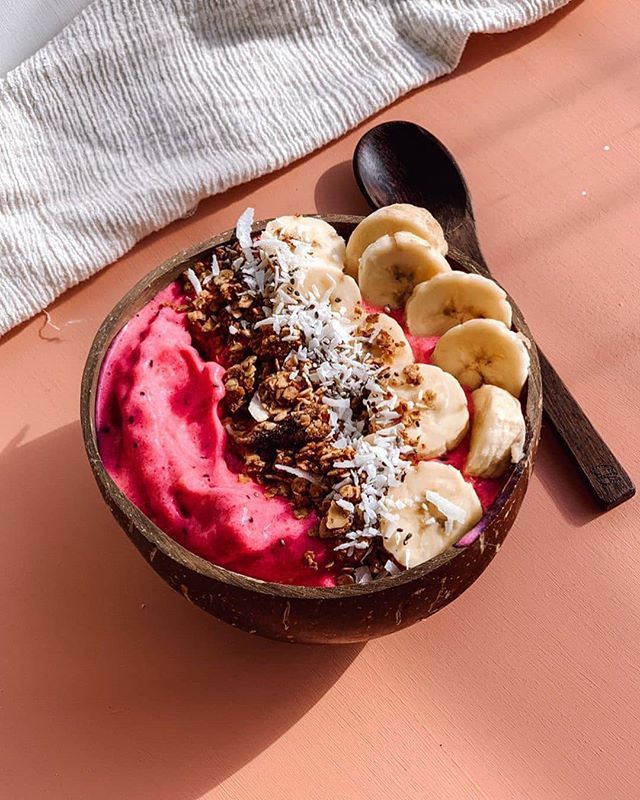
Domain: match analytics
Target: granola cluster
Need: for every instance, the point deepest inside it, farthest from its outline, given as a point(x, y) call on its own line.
point(216, 310)
point(383, 347)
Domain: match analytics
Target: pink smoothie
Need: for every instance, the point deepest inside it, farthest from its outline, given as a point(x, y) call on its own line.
point(162, 441)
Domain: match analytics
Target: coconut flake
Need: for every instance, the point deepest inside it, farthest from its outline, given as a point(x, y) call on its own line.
point(243, 228)
point(451, 511)
point(257, 410)
point(299, 473)
point(193, 280)
point(391, 567)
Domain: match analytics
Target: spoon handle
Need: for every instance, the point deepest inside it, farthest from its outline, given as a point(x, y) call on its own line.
point(607, 479)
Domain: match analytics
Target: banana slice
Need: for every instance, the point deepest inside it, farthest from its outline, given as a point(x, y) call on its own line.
point(323, 240)
point(435, 412)
point(431, 509)
point(450, 299)
point(497, 433)
point(385, 340)
point(319, 277)
point(391, 219)
point(483, 351)
point(391, 266)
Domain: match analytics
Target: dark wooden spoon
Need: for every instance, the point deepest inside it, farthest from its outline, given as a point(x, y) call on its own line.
point(400, 162)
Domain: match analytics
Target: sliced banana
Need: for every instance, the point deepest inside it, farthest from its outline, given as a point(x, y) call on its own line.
point(385, 340)
point(435, 411)
point(452, 298)
point(430, 510)
point(391, 266)
point(497, 434)
point(323, 240)
point(391, 219)
point(319, 278)
point(483, 351)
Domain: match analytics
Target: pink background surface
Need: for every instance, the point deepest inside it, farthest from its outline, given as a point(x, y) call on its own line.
point(528, 686)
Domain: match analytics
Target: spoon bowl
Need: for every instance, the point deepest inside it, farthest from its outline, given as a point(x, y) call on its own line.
point(399, 162)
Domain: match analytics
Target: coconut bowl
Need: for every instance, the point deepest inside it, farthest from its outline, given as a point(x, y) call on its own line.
point(352, 613)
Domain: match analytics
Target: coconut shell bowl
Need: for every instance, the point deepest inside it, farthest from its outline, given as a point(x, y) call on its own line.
point(351, 613)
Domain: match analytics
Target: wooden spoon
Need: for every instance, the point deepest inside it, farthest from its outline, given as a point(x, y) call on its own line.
point(400, 162)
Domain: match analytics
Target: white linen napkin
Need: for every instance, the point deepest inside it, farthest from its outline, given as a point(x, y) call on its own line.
point(140, 108)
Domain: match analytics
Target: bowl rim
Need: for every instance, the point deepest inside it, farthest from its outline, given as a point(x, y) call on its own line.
point(135, 298)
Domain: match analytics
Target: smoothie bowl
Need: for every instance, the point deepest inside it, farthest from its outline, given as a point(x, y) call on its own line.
point(313, 441)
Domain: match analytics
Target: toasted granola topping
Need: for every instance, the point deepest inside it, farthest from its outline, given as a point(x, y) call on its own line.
point(239, 381)
point(310, 559)
point(411, 375)
point(305, 399)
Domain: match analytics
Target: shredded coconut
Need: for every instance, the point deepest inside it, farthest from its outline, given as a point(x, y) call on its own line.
point(451, 512)
point(257, 410)
point(243, 228)
point(193, 280)
point(332, 355)
point(299, 473)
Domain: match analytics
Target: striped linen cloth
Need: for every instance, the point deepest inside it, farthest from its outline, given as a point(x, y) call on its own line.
point(140, 108)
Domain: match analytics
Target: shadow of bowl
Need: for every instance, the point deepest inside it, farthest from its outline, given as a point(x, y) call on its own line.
point(111, 685)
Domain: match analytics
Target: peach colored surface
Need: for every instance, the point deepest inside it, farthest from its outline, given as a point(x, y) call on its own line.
point(528, 686)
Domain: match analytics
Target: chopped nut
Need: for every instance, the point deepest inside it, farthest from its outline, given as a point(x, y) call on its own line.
point(350, 492)
point(411, 375)
point(309, 559)
point(239, 383)
point(337, 517)
point(336, 522)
